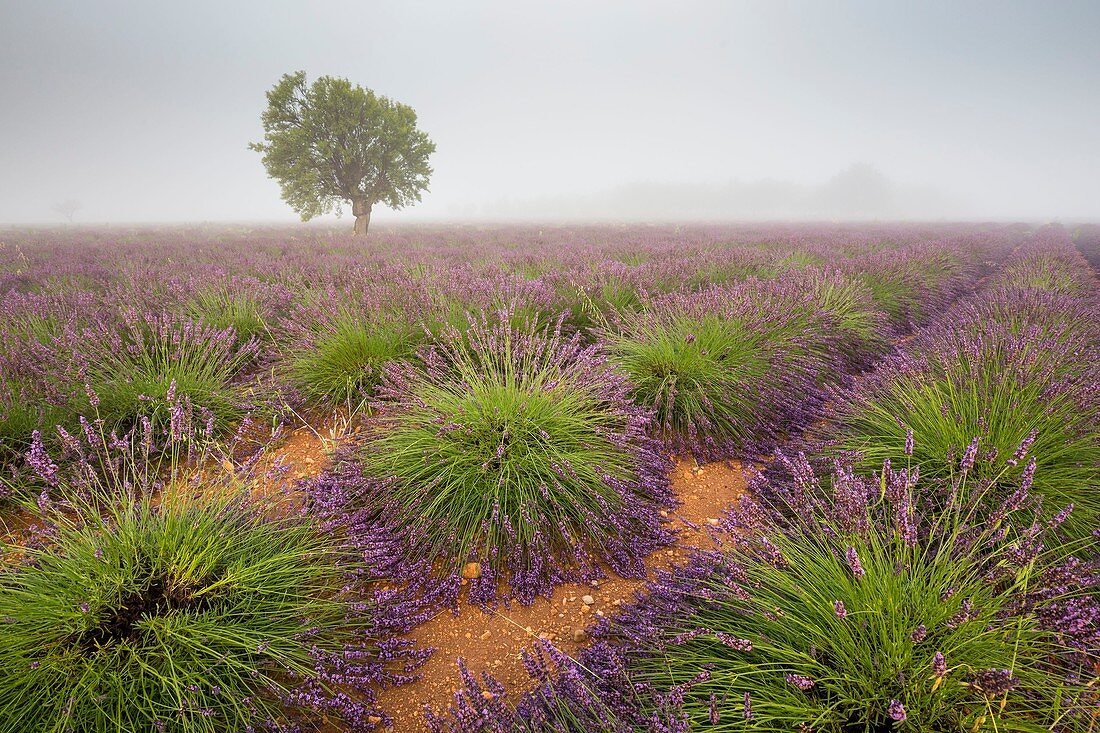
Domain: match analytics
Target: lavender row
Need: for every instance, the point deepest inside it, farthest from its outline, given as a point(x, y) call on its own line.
point(960, 591)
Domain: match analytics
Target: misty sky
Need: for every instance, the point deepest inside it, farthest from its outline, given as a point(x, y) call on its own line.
point(142, 111)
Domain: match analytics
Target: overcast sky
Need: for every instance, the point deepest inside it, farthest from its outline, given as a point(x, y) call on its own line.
point(142, 111)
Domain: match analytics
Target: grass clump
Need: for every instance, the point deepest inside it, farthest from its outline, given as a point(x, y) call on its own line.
point(517, 449)
point(874, 608)
point(162, 598)
point(725, 370)
point(246, 307)
point(860, 326)
point(1016, 367)
point(343, 365)
point(187, 610)
point(152, 362)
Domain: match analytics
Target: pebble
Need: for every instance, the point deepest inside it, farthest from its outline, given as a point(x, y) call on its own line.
point(547, 636)
point(585, 609)
point(713, 522)
point(663, 513)
point(471, 570)
point(588, 600)
point(485, 694)
point(580, 635)
point(309, 461)
point(485, 635)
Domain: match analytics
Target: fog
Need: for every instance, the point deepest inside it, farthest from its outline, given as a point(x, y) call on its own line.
point(571, 110)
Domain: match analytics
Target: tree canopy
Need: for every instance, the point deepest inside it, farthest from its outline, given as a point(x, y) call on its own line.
point(332, 142)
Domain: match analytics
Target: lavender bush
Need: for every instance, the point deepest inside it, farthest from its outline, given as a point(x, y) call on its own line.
point(727, 369)
point(520, 451)
point(884, 604)
point(170, 602)
point(1012, 365)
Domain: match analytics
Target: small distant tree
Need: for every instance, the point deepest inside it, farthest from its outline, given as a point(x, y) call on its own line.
point(68, 208)
point(333, 142)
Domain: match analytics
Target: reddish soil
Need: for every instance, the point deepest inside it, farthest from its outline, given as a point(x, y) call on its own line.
point(493, 642)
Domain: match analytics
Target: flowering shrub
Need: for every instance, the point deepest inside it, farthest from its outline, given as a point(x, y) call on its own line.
point(344, 363)
point(139, 370)
point(518, 450)
point(187, 610)
point(880, 603)
point(1014, 366)
point(862, 332)
point(725, 370)
point(248, 306)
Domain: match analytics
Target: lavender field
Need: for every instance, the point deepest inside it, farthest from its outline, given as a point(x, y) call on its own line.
point(765, 477)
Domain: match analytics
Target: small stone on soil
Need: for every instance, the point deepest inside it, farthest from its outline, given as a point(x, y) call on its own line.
point(588, 600)
point(471, 570)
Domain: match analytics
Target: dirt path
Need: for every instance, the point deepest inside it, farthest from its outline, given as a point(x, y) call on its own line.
point(494, 642)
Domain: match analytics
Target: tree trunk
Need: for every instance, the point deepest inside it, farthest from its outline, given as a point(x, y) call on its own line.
point(361, 209)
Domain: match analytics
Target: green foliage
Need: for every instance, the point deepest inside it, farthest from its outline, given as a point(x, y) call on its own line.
point(344, 362)
point(184, 616)
point(1046, 272)
point(505, 447)
point(852, 311)
point(787, 622)
point(331, 141)
point(1022, 373)
point(699, 373)
point(723, 369)
point(896, 293)
point(590, 308)
point(158, 363)
point(20, 413)
point(950, 409)
point(242, 310)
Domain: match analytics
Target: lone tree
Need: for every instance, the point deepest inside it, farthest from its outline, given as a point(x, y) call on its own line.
point(332, 141)
point(67, 208)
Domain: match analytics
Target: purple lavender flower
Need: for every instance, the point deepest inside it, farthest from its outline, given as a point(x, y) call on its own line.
point(939, 665)
point(896, 711)
point(994, 682)
point(747, 713)
point(919, 634)
point(800, 681)
point(853, 562)
point(969, 456)
point(741, 645)
point(1023, 448)
point(838, 608)
point(93, 398)
point(39, 460)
